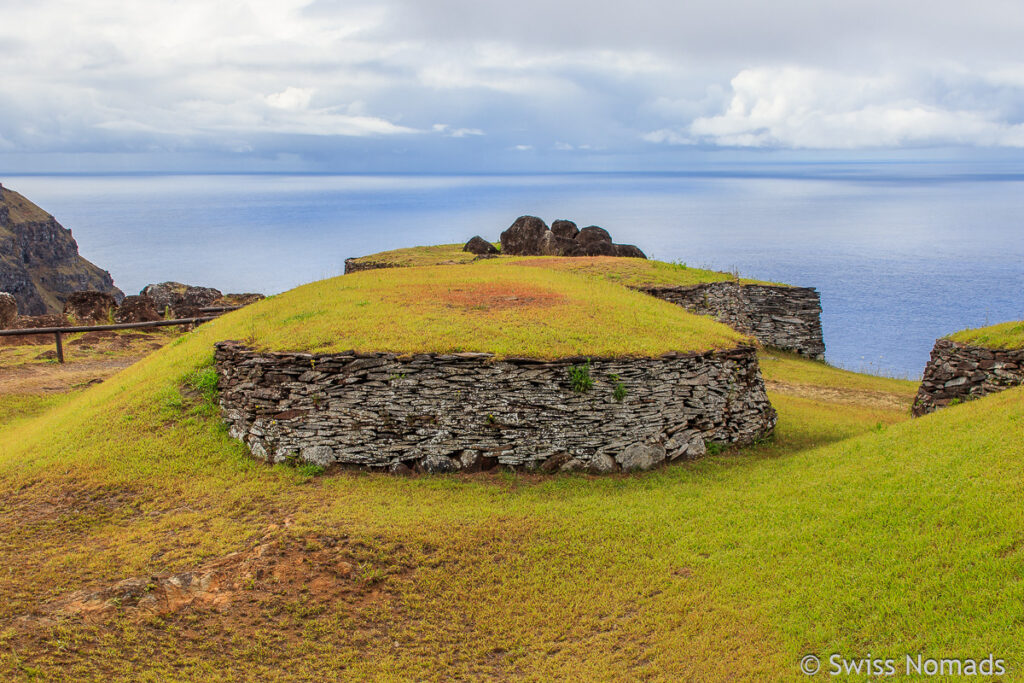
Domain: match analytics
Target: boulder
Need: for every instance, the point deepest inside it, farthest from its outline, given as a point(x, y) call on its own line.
point(592, 234)
point(523, 237)
point(24, 322)
point(640, 456)
point(597, 249)
point(8, 310)
point(181, 299)
point(553, 245)
point(90, 307)
point(478, 245)
point(566, 229)
point(137, 309)
point(629, 251)
point(602, 463)
point(438, 464)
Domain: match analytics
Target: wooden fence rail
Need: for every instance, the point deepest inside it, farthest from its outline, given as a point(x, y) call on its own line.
point(57, 332)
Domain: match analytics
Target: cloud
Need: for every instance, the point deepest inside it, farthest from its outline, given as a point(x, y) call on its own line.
point(804, 108)
point(293, 99)
point(563, 79)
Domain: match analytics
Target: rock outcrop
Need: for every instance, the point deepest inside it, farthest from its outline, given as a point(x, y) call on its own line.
point(39, 261)
point(959, 372)
point(530, 236)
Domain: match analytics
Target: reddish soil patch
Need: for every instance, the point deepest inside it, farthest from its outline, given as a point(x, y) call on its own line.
point(486, 296)
point(276, 570)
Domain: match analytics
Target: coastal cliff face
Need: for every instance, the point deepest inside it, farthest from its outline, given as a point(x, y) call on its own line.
point(39, 261)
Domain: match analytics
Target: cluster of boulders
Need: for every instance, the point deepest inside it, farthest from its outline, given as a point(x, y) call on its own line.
point(531, 236)
point(155, 302)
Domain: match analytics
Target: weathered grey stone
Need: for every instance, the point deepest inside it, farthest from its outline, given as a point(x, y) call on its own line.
point(553, 245)
point(961, 372)
point(465, 411)
point(438, 464)
point(640, 456)
point(318, 455)
point(602, 464)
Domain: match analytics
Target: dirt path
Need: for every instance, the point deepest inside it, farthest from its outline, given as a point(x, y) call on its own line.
point(875, 399)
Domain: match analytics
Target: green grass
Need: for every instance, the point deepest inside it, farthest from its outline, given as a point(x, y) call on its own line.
point(16, 408)
point(441, 254)
point(487, 308)
point(1008, 335)
point(631, 272)
point(854, 530)
point(793, 369)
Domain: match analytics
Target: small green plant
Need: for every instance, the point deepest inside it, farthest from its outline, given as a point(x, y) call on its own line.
point(580, 379)
point(619, 393)
point(204, 381)
point(716, 448)
point(308, 469)
point(491, 420)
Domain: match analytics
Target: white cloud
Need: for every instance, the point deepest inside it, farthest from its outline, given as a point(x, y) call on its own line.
point(293, 99)
point(815, 109)
point(450, 132)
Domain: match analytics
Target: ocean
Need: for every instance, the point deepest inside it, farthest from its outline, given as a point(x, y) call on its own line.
point(901, 253)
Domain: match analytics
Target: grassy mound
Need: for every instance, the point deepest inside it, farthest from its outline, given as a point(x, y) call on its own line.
point(853, 531)
point(489, 307)
point(631, 272)
point(1008, 335)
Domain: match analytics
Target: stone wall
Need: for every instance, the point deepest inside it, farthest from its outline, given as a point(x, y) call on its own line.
point(960, 372)
point(787, 318)
point(467, 411)
point(354, 266)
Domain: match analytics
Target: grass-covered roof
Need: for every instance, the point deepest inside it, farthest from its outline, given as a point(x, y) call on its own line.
point(1008, 335)
point(490, 307)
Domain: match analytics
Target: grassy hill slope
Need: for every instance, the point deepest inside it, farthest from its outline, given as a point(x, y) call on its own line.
point(852, 531)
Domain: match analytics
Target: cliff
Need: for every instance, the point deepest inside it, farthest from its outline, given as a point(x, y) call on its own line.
point(39, 261)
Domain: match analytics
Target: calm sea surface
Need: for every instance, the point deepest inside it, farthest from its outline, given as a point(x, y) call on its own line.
point(901, 253)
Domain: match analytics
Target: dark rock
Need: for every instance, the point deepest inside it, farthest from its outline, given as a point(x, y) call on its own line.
point(523, 237)
point(182, 300)
point(629, 251)
point(478, 245)
point(596, 249)
point(566, 229)
point(592, 234)
point(137, 309)
point(8, 310)
point(553, 245)
point(90, 308)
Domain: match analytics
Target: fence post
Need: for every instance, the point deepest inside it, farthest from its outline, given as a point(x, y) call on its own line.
point(60, 348)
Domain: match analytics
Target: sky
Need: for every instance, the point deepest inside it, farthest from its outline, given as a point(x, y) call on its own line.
point(477, 85)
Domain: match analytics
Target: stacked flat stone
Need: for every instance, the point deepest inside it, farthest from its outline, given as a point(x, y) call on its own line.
point(960, 372)
point(787, 318)
point(469, 411)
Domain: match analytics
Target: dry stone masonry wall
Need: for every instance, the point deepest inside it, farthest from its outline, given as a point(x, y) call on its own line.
point(960, 372)
point(787, 318)
point(468, 411)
